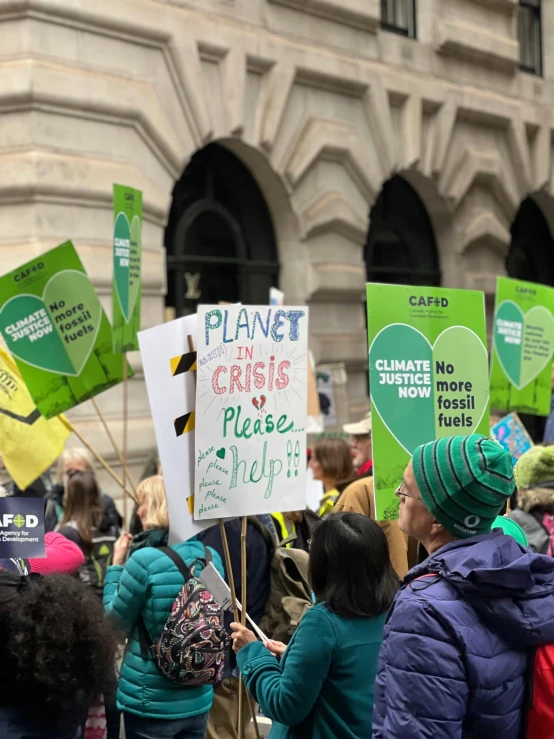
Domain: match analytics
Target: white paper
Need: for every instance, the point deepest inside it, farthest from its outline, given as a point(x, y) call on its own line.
point(276, 297)
point(172, 396)
point(251, 410)
point(217, 586)
point(314, 491)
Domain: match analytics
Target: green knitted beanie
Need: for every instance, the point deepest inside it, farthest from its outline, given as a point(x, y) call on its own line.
point(464, 482)
point(534, 467)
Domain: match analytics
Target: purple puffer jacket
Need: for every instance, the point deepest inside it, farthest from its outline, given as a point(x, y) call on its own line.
point(454, 655)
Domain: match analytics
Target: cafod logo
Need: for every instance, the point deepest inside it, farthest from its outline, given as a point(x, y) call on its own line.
point(428, 302)
point(28, 272)
point(17, 519)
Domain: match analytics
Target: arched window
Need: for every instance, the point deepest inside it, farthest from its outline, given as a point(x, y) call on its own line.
point(401, 247)
point(531, 254)
point(219, 238)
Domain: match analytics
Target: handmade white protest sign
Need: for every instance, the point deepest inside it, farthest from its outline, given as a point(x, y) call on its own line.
point(169, 372)
point(251, 410)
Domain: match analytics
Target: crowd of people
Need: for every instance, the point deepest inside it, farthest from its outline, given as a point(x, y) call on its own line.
point(422, 627)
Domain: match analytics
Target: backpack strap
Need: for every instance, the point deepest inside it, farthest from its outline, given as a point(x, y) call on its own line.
point(177, 561)
point(289, 540)
point(180, 564)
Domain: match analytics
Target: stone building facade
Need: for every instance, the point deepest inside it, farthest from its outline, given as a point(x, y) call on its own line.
point(264, 133)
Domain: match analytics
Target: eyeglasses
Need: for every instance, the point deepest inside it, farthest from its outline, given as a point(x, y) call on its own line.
point(401, 494)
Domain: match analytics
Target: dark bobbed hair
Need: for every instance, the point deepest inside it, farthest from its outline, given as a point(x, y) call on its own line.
point(350, 567)
point(55, 637)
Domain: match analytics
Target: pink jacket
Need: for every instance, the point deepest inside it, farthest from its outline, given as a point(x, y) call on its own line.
point(63, 557)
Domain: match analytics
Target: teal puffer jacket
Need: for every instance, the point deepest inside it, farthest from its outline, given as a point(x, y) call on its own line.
point(148, 586)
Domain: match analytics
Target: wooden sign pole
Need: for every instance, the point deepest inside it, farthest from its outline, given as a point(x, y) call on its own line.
point(124, 452)
point(117, 450)
point(242, 616)
point(99, 459)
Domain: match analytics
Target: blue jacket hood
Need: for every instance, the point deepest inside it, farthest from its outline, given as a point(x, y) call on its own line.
point(509, 587)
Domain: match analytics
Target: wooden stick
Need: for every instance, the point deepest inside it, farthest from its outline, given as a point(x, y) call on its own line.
point(231, 579)
point(117, 450)
point(253, 714)
point(100, 459)
point(229, 568)
point(242, 616)
point(124, 453)
point(236, 615)
point(243, 568)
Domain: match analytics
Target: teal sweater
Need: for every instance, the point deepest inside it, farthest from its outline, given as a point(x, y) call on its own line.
point(323, 686)
point(148, 585)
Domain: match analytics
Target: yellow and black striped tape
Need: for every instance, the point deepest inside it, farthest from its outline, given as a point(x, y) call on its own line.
point(183, 363)
point(184, 424)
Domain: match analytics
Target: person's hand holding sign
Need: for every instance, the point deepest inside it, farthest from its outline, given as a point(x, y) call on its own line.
point(241, 636)
point(121, 548)
point(277, 648)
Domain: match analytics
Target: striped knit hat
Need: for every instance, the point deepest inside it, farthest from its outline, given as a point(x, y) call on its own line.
point(464, 482)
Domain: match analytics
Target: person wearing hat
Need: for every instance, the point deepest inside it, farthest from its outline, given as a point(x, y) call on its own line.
point(534, 475)
point(360, 443)
point(459, 634)
point(356, 495)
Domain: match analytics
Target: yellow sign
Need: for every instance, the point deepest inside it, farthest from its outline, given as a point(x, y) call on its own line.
point(29, 444)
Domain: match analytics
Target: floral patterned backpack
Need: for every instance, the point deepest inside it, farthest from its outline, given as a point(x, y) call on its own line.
point(191, 648)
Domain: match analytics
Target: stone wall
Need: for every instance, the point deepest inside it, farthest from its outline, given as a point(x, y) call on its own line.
point(321, 104)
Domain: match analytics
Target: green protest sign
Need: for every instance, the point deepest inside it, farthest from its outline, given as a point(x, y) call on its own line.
point(523, 344)
point(54, 325)
point(428, 372)
point(127, 258)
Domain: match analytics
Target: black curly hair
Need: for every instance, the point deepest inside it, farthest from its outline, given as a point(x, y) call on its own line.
point(54, 639)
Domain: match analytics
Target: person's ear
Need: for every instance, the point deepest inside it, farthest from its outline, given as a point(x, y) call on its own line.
point(437, 529)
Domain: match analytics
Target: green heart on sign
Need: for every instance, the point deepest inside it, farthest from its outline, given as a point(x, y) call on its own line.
point(412, 412)
point(127, 262)
point(58, 331)
point(523, 343)
point(122, 258)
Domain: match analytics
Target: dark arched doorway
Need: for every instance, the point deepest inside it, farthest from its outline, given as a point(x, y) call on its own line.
point(219, 238)
point(531, 254)
point(401, 247)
